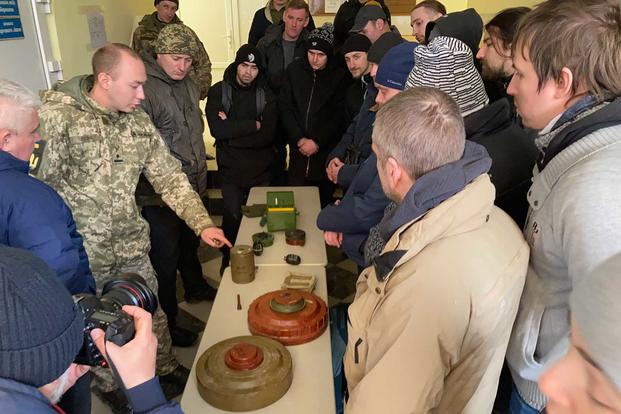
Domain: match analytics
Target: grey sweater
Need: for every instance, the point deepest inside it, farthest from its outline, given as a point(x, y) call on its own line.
point(574, 224)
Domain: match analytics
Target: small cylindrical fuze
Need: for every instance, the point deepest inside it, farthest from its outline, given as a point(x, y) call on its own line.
point(242, 264)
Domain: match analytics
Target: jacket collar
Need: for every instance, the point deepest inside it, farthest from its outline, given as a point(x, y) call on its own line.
point(586, 116)
point(9, 162)
point(428, 192)
point(27, 396)
point(488, 119)
point(465, 211)
point(75, 92)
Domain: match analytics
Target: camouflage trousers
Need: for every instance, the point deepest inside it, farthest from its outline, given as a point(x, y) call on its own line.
point(165, 360)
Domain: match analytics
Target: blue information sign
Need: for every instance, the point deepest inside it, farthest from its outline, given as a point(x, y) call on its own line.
point(10, 23)
point(11, 28)
point(9, 8)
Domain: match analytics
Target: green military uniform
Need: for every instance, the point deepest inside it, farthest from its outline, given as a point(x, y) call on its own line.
point(146, 34)
point(93, 158)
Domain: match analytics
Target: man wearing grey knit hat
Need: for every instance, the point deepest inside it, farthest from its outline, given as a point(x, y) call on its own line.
point(447, 64)
point(588, 378)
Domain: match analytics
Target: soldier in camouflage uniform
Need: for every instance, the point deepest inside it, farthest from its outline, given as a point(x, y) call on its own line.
point(96, 141)
point(149, 28)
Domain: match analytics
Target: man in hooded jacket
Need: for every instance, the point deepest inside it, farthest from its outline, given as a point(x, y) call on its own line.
point(242, 114)
point(312, 107)
point(172, 103)
point(430, 323)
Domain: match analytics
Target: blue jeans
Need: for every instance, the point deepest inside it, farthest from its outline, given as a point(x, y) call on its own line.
point(517, 405)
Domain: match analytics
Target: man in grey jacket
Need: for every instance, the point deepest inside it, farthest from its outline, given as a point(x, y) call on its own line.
point(171, 100)
point(567, 84)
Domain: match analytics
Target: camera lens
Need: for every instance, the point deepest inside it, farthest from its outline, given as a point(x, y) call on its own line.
point(129, 289)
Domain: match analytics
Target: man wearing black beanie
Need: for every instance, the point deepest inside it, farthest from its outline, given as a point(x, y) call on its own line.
point(242, 114)
point(42, 331)
point(355, 50)
point(311, 105)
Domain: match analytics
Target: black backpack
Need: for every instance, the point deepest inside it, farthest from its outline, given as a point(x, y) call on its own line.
point(227, 98)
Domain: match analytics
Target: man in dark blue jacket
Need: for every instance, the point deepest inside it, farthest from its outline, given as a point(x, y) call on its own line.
point(32, 215)
point(42, 331)
point(347, 224)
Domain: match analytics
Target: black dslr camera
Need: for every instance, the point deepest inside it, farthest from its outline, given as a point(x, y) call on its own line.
point(105, 313)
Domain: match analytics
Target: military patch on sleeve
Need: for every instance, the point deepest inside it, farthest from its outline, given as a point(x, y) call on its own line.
point(36, 157)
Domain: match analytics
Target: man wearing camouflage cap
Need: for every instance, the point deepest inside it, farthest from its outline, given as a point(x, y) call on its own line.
point(96, 142)
point(147, 33)
point(172, 102)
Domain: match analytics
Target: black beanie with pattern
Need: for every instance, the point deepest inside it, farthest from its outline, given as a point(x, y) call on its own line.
point(41, 329)
point(322, 38)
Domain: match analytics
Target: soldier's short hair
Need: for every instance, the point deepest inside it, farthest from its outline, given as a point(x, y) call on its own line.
point(107, 58)
point(581, 35)
point(298, 4)
point(421, 128)
point(15, 97)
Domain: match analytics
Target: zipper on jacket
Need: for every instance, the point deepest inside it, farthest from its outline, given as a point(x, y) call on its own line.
point(310, 100)
point(356, 356)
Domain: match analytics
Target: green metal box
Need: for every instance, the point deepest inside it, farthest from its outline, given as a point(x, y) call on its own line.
point(281, 212)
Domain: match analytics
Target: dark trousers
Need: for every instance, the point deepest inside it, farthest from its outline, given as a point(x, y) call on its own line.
point(326, 188)
point(234, 197)
point(173, 247)
point(278, 169)
point(77, 399)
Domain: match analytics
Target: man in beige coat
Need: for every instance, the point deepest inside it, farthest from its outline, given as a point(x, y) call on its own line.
point(431, 320)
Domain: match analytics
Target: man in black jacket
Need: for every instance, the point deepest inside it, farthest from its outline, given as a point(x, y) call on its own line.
point(171, 100)
point(512, 150)
point(345, 17)
point(242, 115)
point(281, 45)
point(312, 108)
point(495, 53)
point(264, 17)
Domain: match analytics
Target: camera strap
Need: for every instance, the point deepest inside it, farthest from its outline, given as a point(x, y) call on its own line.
point(115, 374)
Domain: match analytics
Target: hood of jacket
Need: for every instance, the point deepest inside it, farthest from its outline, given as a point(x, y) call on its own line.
point(74, 91)
point(488, 119)
point(8, 163)
point(465, 25)
point(428, 192)
point(152, 23)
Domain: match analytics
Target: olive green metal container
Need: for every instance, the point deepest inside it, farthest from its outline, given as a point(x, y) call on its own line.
point(281, 211)
point(242, 264)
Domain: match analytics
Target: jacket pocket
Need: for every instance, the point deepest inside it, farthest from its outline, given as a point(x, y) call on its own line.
point(85, 152)
point(356, 351)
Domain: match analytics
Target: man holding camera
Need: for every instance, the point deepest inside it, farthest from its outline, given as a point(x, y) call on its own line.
point(42, 331)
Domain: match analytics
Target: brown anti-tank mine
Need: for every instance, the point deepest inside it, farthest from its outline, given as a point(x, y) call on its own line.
point(244, 373)
point(292, 317)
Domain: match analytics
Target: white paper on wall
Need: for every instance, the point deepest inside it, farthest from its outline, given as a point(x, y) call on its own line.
point(97, 29)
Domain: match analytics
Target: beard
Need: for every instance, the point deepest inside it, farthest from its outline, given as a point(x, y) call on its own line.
point(490, 74)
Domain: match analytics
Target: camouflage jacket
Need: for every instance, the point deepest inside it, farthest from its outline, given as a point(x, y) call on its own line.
point(146, 34)
point(93, 158)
